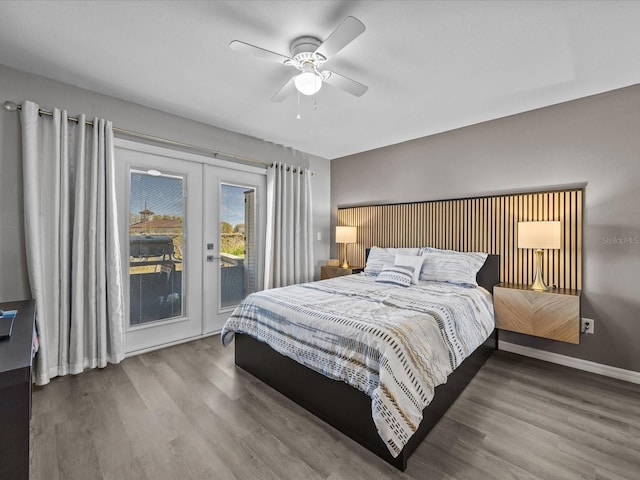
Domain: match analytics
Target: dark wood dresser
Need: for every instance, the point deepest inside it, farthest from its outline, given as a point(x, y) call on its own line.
point(16, 354)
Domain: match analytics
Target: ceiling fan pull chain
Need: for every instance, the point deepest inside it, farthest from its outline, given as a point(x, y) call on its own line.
point(298, 116)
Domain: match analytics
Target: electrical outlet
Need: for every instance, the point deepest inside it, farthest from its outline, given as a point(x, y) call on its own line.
point(588, 326)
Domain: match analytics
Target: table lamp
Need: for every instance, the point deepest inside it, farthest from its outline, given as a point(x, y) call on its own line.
point(539, 236)
point(345, 235)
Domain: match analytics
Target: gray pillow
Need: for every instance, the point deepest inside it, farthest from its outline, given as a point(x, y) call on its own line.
point(396, 275)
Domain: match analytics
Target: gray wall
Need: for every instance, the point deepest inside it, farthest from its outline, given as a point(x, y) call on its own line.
point(18, 86)
point(593, 142)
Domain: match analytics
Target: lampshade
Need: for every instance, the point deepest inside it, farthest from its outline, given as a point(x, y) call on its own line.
point(308, 83)
point(539, 235)
point(346, 234)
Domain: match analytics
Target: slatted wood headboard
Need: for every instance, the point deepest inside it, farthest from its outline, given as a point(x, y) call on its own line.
point(482, 224)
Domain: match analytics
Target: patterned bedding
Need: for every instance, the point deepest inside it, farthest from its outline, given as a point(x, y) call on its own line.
point(396, 344)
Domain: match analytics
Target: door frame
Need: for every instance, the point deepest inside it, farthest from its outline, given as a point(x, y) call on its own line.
point(198, 255)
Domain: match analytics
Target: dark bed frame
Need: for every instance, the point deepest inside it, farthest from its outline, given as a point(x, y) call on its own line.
point(349, 409)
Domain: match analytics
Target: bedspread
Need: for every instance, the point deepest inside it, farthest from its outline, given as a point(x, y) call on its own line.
point(396, 344)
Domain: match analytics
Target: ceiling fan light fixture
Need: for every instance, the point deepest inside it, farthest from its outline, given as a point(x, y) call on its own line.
point(308, 83)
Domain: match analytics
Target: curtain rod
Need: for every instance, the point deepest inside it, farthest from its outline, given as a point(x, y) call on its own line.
point(12, 107)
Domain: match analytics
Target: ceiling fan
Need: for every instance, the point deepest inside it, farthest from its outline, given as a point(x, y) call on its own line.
point(308, 55)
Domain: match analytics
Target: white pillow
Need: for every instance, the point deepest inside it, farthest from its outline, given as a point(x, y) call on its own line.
point(396, 275)
point(451, 266)
point(381, 257)
point(414, 261)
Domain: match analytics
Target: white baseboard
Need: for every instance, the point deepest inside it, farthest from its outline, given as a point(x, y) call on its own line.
point(587, 366)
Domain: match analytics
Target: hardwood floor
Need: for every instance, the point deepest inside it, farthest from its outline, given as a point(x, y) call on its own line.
point(187, 412)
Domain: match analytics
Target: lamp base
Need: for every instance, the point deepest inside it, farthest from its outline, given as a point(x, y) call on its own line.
point(345, 263)
point(538, 285)
point(538, 281)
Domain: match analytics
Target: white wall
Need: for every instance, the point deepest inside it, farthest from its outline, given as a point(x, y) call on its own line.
point(18, 86)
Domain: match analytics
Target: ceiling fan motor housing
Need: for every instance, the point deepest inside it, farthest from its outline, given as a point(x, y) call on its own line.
point(304, 44)
point(302, 51)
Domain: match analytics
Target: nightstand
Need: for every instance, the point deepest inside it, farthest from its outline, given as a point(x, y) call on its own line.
point(554, 314)
point(330, 272)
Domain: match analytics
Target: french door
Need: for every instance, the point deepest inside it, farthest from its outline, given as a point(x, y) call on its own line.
point(234, 233)
point(192, 237)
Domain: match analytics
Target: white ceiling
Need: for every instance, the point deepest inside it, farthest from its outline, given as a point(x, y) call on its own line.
point(430, 66)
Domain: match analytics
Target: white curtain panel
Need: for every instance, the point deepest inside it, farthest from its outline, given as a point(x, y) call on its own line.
point(289, 245)
point(73, 251)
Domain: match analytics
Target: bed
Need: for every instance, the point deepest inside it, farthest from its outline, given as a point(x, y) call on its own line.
point(359, 410)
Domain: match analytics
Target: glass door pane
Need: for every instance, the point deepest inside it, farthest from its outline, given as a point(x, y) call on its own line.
point(156, 251)
point(237, 243)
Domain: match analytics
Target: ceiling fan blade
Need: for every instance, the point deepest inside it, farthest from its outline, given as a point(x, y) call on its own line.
point(342, 36)
point(340, 81)
point(286, 89)
point(239, 46)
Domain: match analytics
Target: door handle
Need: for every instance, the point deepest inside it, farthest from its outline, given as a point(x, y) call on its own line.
point(211, 258)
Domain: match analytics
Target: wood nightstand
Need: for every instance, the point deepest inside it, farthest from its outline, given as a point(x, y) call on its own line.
point(330, 272)
point(554, 314)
